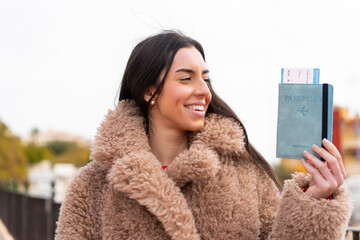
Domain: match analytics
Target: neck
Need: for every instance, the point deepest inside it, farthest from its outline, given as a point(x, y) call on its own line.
point(166, 144)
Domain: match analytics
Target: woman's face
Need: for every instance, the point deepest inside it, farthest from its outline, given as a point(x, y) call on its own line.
point(185, 96)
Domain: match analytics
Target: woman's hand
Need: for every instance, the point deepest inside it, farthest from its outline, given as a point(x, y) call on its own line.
point(326, 176)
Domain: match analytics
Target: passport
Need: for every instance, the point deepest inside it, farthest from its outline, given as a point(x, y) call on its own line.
point(305, 116)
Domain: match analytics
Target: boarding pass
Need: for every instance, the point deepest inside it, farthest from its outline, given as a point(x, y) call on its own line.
point(300, 75)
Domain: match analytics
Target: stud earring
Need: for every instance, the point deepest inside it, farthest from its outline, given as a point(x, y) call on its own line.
point(152, 102)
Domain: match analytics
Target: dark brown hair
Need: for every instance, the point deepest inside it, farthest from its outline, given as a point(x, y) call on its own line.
point(143, 69)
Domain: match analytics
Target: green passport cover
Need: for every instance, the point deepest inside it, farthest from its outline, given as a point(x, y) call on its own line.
point(304, 118)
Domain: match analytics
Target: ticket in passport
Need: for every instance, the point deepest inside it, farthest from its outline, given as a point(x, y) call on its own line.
point(300, 75)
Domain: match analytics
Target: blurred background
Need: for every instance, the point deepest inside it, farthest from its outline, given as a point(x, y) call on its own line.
point(61, 64)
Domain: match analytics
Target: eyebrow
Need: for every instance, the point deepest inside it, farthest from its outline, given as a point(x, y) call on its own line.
point(190, 70)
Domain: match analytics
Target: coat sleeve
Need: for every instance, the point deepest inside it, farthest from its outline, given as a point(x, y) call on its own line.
point(295, 215)
point(78, 217)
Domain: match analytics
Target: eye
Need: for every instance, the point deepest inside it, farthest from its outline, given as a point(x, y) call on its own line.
point(208, 80)
point(206, 77)
point(185, 79)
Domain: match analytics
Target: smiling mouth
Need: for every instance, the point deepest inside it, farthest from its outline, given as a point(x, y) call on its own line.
point(199, 108)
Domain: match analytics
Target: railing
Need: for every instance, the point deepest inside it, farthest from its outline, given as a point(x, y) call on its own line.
point(355, 232)
point(26, 217)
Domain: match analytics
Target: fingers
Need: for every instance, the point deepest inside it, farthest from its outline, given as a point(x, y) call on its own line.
point(333, 151)
point(324, 180)
point(313, 171)
point(319, 166)
point(326, 176)
point(331, 163)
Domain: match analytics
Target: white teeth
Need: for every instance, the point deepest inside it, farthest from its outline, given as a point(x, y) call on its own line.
point(196, 107)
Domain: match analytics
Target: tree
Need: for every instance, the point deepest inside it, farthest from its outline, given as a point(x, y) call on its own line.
point(69, 152)
point(36, 154)
point(78, 156)
point(34, 135)
point(60, 147)
point(13, 163)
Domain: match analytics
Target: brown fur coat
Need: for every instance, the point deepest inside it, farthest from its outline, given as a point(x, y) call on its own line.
point(210, 191)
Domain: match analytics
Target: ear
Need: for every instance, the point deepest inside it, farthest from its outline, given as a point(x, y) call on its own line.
point(149, 93)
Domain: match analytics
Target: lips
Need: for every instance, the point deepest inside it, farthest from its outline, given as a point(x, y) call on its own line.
point(196, 109)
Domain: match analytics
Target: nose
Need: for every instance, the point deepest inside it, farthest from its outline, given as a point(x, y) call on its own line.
point(202, 88)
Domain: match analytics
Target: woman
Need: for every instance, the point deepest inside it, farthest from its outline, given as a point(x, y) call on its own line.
point(173, 161)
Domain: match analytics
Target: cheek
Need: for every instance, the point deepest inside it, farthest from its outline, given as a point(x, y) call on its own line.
point(177, 93)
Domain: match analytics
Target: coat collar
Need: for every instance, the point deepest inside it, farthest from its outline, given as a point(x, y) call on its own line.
point(122, 146)
point(124, 131)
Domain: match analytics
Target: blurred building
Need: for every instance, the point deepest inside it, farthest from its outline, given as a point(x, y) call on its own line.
point(40, 179)
point(353, 183)
point(41, 138)
point(63, 173)
point(349, 139)
point(47, 181)
point(346, 137)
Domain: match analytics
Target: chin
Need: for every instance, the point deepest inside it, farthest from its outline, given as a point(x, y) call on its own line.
point(196, 128)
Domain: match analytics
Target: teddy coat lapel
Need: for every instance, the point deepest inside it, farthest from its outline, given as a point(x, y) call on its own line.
point(122, 146)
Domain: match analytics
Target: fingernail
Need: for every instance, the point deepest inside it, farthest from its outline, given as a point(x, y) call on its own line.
point(306, 152)
point(315, 146)
point(325, 140)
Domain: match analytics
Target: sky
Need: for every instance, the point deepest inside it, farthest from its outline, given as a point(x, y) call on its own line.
point(61, 62)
